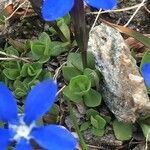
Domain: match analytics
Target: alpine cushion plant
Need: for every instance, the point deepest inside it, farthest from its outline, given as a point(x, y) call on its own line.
point(22, 127)
point(145, 70)
point(54, 9)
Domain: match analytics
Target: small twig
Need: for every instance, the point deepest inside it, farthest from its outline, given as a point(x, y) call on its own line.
point(13, 57)
point(58, 71)
point(8, 59)
point(25, 11)
point(7, 18)
point(60, 90)
point(96, 147)
point(99, 12)
point(16, 10)
point(147, 9)
point(116, 10)
point(131, 18)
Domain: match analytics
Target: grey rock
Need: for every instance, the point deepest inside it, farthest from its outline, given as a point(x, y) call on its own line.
point(123, 87)
point(108, 140)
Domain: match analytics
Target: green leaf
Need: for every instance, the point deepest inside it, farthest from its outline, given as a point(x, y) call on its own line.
point(146, 131)
point(44, 37)
point(45, 75)
point(80, 85)
point(145, 58)
point(20, 109)
point(90, 60)
point(92, 98)
point(19, 46)
point(11, 65)
point(92, 75)
point(101, 121)
point(11, 74)
point(84, 126)
point(54, 110)
point(98, 122)
point(20, 84)
point(31, 69)
point(97, 132)
point(40, 51)
point(70, 72)
point(21, 89)
point(91, 112)
point(64, 28)
point(107, 118)
point(11, 51)
point(40, 122)
point(75, 60)
point(71, 95)
point(33, 72)
point(1, 124)
point(56, 48)
point(20, 92)
point(31, 81)
point(24, 69)
point(94, 122)
point(53, 115)
point(66, 19)
point(145, 118)
point(41, 48)
point(123, 131)
point(2, 19)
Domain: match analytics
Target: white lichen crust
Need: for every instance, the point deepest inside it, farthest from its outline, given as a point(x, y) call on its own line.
point(123, 87)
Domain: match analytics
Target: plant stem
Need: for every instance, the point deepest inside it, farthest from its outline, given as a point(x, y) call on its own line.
point(78, 18)
point(36, 4)
point(74, 121)
point(57, 29)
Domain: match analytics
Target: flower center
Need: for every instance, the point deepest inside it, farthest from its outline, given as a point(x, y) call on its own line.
point(23, 131)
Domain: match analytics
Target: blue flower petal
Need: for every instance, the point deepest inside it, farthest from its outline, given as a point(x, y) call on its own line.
point(54, 9)
point(102, 4)
point(4, 138)
point(23, 145)
point(145, 70)
point(54, 137)
point(8, 106)
point(39, 100)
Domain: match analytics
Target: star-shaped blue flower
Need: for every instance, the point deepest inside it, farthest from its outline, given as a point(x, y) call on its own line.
point(145, 70)
point(22, 127)
point(54, 9)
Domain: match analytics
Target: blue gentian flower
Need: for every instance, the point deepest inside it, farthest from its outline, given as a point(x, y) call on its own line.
point(54, 9)
point(145, 70)
point(22, 127)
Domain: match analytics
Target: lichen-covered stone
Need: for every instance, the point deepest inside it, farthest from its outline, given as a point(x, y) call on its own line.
point(123, 87)
point(107, 141)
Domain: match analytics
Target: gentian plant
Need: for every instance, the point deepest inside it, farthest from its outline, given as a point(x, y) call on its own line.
point(145, 70)
point(22, 127)
point(52, 9)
